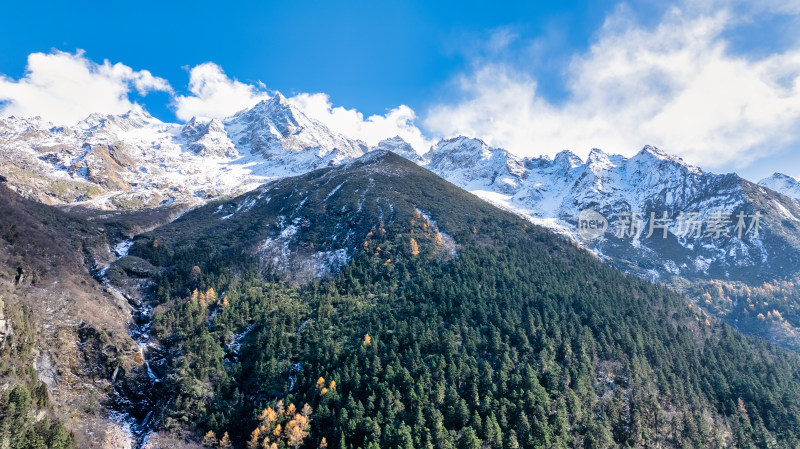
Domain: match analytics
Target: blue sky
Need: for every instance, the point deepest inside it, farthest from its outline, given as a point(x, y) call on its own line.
point(368, 55)
point(510, 73)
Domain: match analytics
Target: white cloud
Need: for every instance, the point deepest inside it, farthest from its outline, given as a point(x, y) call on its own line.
point(397, 122)
point(215, 95)
point(65, 88)
point(676, 85)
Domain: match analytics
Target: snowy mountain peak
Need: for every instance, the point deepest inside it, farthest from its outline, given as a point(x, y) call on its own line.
point(650, 155)
point(400, 147)
point(277, 104)
point(280, 99)
point(599, 160)
point(652, 152)
point(567, 159)
point(276, 111)
point(461, 147)
point(471, 162)
point(133, 119)
point(785, 184)
point(295, 143)
point(553, 193)
point(208, 138)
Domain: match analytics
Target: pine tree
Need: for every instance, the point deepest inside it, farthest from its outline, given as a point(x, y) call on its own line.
point(469, 439)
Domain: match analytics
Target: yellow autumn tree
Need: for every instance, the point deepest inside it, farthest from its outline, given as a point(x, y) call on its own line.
point(367, 340)
point(268, 416)
point(210, 439)
point(332, 385)
point(225, 442)
point(742, 408)
point(292, 427)
point(297, 430)
point(211, 296)
point(320, 383)
point(255, 439)
point(412, 245)
point(323, 444)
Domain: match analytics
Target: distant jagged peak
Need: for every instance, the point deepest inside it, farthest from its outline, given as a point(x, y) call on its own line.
point(653, 152)
point(460, 142)
point(782, 178)
point(275, 125)
point(464, 149)
point(600, 160)
point(278, 112)
point(273, 106)
point(14, 124)
point(650, 154)
point(782, 183)
point(568, 159)
point(400, 147)
point(197, 127)
point(135, 118)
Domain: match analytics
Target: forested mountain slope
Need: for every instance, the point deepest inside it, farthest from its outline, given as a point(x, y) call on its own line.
point(406, 312)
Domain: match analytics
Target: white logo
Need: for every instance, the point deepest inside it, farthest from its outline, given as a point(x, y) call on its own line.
point(591, 224)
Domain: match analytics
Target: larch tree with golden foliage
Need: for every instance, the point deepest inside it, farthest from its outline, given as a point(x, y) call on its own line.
point(210, 439)
point(414, 247)
point(225, 442)
point(287, 428)
point(297, 430)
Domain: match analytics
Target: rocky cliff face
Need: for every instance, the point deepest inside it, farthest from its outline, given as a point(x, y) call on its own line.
point(58, 320)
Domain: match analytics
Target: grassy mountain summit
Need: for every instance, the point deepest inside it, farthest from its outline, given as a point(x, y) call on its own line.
point(374, 305)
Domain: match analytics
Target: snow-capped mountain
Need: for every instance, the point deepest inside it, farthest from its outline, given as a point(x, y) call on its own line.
point(784, 184)
point(134, 160)
point(208, 138)
point(400, 147)
point(119, 162)
point(473, 165)
point(649, 190)
point(285, 136)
